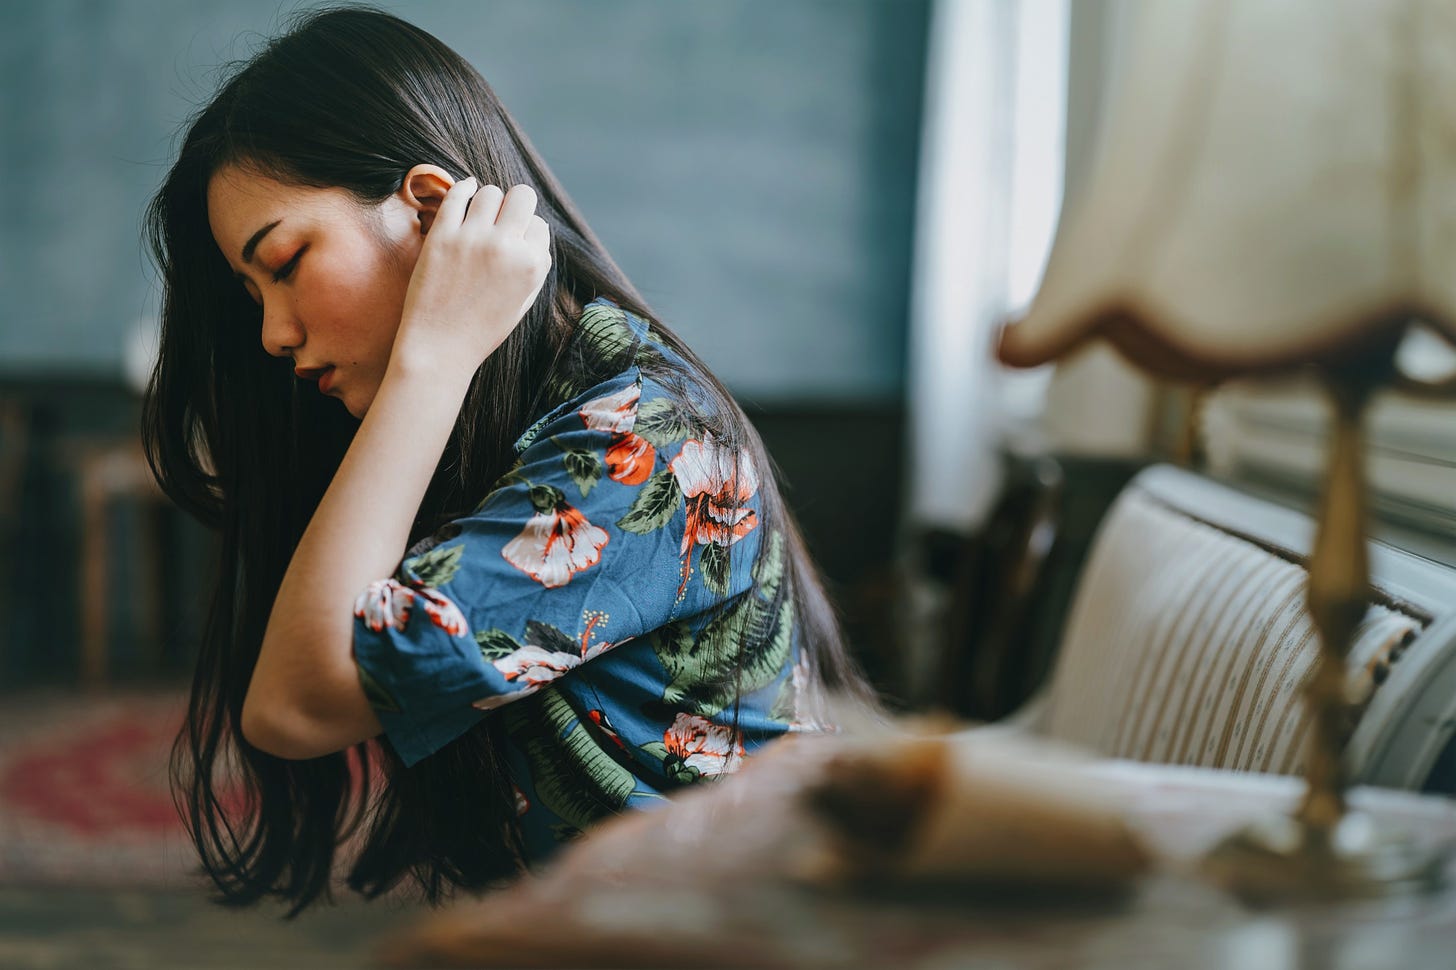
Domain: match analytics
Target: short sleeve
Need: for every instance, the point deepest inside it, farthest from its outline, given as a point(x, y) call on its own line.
point(580, 548)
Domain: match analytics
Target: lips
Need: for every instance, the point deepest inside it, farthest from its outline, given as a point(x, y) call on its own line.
point(324, 376)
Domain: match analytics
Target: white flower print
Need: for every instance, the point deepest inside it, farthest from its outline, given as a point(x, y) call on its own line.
point(535, 667)
point(710, 748)
point(717, 498)
point(808, 699)
point(614, 412)
point(442, 611)
point(387, 604)
point(557, 543)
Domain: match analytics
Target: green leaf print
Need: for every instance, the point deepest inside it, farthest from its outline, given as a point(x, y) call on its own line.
point(673, 766)
point(546, 498)
point(495, 644)
point(751, 633)
point(562, 388)
point(548, 637)
point(663, 421)
point(573, 776)
point(768, 662)
point(438, 566)
point(605, 331)
point(786, 703)
point(649, 358)
point(677, 652)
point(772, 630)
point(768, 572)
point(654, 506)
point(584, 467)
point(714, 561)
point(379, 698)
point(680, 772)
point(704, 673)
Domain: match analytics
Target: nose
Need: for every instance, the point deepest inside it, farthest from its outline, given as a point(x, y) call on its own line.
point(282, 332)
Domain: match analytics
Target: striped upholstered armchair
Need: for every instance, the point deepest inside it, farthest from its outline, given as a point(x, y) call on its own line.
point(1187, 642)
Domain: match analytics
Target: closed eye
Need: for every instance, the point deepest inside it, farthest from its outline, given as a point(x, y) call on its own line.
point(286, 270)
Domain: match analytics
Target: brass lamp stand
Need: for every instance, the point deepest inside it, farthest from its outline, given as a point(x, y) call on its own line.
point(1324, 849)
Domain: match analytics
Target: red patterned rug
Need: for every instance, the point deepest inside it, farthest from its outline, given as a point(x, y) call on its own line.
point(84, 799)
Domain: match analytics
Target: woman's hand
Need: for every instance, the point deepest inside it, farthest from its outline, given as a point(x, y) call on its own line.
point(479, 270)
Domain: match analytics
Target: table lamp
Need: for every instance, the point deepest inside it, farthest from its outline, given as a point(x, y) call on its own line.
point(1275, 190)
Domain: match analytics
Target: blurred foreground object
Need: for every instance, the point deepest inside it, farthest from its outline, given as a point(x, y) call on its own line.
point(716, 877)
point(986, 808)
point(1274, 191)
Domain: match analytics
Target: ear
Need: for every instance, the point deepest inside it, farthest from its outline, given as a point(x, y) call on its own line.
point(423, 190)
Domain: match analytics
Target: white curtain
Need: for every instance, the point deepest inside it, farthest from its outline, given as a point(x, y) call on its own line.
point(990, 191)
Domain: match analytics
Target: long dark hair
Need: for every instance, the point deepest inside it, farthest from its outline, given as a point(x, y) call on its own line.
point(352, 97)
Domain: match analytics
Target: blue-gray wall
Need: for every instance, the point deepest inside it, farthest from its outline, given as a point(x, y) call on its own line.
point(750, 163)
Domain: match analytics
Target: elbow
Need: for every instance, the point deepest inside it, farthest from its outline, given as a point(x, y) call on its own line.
point(278, 732)
point(334, 716)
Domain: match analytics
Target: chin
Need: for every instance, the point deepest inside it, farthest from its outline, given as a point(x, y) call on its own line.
point(355, 408)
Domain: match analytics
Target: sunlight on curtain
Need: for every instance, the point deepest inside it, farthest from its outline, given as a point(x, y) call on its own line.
point(990, 190)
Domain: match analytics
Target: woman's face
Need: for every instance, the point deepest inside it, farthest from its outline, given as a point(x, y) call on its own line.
point(329, 273)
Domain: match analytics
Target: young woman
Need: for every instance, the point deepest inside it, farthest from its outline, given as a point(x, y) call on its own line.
point(602, 596)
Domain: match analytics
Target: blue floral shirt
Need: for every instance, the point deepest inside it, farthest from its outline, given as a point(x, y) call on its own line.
point(595, 600)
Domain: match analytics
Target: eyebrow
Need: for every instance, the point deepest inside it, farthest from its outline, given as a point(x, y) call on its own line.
point(257, 237)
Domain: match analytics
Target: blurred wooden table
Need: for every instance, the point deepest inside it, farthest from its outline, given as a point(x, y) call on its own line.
point(706, 882)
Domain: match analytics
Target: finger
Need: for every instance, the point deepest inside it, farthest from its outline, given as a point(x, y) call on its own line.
point(516, 211)
point(456, 201)
point(485, 206)
point(538, 233)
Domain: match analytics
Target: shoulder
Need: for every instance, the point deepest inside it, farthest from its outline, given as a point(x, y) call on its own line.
point(620, 376)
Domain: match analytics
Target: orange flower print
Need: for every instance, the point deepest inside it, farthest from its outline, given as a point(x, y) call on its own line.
point(696, 747)
point(557, 543)
point(387, 603)
point(630, 457)
point(600, 719)
point(717, 494)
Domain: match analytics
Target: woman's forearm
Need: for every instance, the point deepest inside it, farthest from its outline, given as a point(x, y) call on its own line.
point(304, 699)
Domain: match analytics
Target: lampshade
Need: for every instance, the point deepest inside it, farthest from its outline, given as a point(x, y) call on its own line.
point(1275, 183)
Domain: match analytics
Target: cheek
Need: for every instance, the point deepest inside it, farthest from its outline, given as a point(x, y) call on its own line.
point(355, 301)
